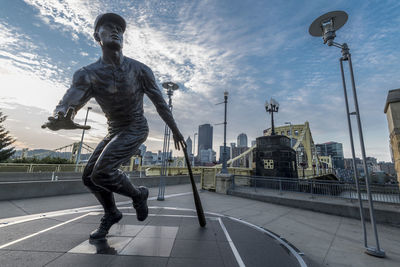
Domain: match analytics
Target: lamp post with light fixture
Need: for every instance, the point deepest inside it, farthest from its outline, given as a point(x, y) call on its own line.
point(170, 87)
point(326, 26)
point(194, 147)
point(271, 107)
point(224, 158)
point(224, 169)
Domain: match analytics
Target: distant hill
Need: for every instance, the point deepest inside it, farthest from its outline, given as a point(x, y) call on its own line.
point(42, 153)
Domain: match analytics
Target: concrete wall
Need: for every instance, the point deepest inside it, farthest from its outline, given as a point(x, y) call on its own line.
point(44, 176)
point(31, 189)
point(382, 215)
point(36, 176)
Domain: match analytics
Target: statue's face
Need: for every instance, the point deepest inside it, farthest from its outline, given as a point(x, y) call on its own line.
point(111, 35)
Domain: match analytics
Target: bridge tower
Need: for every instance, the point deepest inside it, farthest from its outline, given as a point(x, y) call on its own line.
point(75, 149)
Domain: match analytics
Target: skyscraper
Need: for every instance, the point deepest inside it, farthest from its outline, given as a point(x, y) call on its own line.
point(189, 145)
point(207, 156)
point(205, 137)
point(233, 146)
point(242, 140)
point(333, 149)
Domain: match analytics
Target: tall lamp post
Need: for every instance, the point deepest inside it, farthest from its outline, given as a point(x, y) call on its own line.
point(224, 156)
point(78, 158)
point(170, 87)
point(194, 148)
point(326, 26)
point(272, 107)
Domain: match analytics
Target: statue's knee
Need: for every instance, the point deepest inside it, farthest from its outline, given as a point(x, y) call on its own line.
point(99, 177)
point(86, 174)
point(87, 181)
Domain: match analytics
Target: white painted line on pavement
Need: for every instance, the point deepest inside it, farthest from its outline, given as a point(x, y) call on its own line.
point(168, 215)
point(234, 250)
point(42, 231)
point(290, 248)
point(295, 253)
point(26, 218)
point(92, 211)
point(15, 220)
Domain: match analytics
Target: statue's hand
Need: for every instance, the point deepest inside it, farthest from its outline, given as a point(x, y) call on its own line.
point(179, 140)
point(61, 121)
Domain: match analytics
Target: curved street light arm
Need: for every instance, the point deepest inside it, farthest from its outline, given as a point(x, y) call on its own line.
point(336, 45)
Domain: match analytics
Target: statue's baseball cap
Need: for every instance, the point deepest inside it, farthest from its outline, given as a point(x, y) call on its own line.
point(102, 18)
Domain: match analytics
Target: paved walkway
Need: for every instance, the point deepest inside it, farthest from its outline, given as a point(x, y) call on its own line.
point(172, 236)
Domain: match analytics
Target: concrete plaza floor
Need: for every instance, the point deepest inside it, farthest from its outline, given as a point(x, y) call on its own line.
point(325, 240)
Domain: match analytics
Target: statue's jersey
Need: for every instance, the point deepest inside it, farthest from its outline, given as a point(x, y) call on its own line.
point(119, 92)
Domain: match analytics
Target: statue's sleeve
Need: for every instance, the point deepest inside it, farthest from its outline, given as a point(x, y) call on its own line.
point(77, 95)
point(153, 92)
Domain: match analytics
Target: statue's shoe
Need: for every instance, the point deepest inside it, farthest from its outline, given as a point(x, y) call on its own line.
point(107, 221)
point(142, 210)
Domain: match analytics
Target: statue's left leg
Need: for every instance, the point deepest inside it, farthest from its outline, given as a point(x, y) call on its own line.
point(106, 174)
point(106, 198)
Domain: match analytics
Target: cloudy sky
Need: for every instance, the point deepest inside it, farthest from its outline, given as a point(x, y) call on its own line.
point(253, 49)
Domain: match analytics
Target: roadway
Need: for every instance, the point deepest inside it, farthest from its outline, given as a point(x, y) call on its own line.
point(172, 237)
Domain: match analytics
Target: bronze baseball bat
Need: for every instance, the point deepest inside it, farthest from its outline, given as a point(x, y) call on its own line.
point(197, 201)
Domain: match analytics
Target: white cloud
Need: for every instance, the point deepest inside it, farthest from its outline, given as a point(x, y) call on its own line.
point(182, 58)
point(73, 16)
point(194, 44)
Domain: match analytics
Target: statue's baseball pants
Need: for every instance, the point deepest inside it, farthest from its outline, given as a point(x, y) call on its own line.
point(101, 174)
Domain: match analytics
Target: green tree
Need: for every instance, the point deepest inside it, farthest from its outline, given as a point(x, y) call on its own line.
point(5, 141)
point(46, 160)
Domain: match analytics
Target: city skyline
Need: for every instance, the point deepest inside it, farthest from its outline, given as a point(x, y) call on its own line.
point(254, 51)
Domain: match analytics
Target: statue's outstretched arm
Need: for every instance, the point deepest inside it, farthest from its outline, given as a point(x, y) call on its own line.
point(74, 99)
point(153, 92)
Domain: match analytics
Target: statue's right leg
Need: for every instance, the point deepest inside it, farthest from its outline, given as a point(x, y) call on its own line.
point(106, 198)
point(106, 173)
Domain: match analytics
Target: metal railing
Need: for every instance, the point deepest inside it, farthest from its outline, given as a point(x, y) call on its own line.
point(388, 193)
point(208, 175)
point(34, 167)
